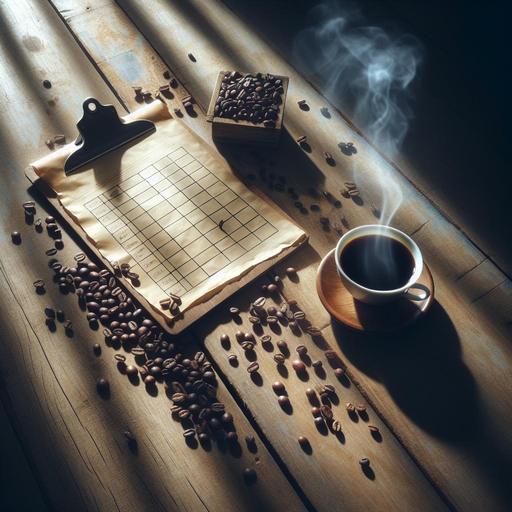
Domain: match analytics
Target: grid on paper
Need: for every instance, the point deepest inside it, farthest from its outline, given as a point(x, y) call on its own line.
point(167, 218)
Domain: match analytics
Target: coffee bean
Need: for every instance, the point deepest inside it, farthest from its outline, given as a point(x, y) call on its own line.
point(239, 335)
point(266, 338)
point(259, 302)
point(317, 364)
point(233, 359)
point(365, 462)
point(278, 388)
point(272, 320)
point(96, 349)
point(311, 394)
point(189, 433)
point(191, 57)
point(326, 412)
point(16, 237)
point(254, 319)
point(283, 401)
point(149, 380)
point(316, 411)
point(49, 312)
point(301, 350)
point(131, 371)
point(339, 372)
point(272, 288)
point(373, 429)
point(279, 358)
point(303, 441)
point(313, 331)
point(328, 389)
point(298, 366)
point(350, 407)
point(336, 426)
point(250, 475)
point(234, 311)
point(360, 408)
point(299, 315)
point(331, 355)
point(291, 271)
point(282, 345)
point(102, 386)
point(253, 367)
point(319, 422)
point(227, 418)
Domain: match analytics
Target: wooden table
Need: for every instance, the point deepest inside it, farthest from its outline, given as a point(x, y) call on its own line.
point(440, 392)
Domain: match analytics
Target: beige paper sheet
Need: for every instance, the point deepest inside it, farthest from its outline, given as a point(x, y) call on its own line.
point(157, 205)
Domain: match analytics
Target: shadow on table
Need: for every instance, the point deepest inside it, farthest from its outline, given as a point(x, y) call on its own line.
point(424, 373)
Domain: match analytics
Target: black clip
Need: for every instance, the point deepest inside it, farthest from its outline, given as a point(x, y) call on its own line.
point(101, 131)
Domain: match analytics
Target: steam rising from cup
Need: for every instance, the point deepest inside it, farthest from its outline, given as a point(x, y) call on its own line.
point(369, 72)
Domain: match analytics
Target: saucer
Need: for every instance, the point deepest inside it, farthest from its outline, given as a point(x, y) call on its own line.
point(387, 317)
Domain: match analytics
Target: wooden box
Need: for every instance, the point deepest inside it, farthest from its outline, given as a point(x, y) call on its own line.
point(242, 131)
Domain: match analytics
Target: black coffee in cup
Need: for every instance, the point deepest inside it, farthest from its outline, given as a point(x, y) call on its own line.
point(377, 262)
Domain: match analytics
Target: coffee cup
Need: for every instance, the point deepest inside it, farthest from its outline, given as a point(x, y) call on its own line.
point(379, 264)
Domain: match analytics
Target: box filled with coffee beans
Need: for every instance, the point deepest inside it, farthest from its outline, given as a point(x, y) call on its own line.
point(248, 108)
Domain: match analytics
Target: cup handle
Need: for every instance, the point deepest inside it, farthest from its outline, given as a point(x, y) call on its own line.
point(422, 296)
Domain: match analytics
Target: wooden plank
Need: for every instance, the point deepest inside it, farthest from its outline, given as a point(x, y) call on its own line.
point(73, 438)
point(395, 482)
point(325, 459)
point(220, 41)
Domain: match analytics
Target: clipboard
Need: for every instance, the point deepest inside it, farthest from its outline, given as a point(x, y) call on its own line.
point(194, 312)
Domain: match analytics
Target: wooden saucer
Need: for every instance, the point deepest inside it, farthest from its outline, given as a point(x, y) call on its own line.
point(365, 317)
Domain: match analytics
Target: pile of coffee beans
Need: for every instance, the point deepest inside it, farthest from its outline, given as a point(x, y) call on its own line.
point(189, 380)
point(255, 98)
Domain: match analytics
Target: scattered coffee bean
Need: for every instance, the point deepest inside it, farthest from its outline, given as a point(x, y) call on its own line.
point(283, 401)
point(298, 366)
point(224, 338)
point(313, 331)
point(253, 367)
point(266, 338)
point(165, 303)
point(49, 312)
point(51, 252)
point(303, 441)
point(336, 426)
point(279, 358)
point(311, 394)
point(325, 112)
point(191, 57)
point(234, 311)
point(350, 407)
point(282, 345)
point(250, 475)
point(272, 288)
point(299, 315)
point(131, 371)
point(301, 350)
point(38, 285)
point(316, 411)
point(360, 408)
point(291, 271)
point(319, 422)
point(251, 443)
point(373, 429)
point(96, 349)
point(301, 140)
point(365, 462)
point(149, 380)
point(102, 386)
point(233, 359)
point(278, 388)
point(339, 372)
point(16, 237)
point(317, 364)
point(326, 412)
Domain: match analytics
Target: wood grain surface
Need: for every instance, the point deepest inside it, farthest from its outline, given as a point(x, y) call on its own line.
point(478, 328)
point(73, 438)
point(439, 394)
